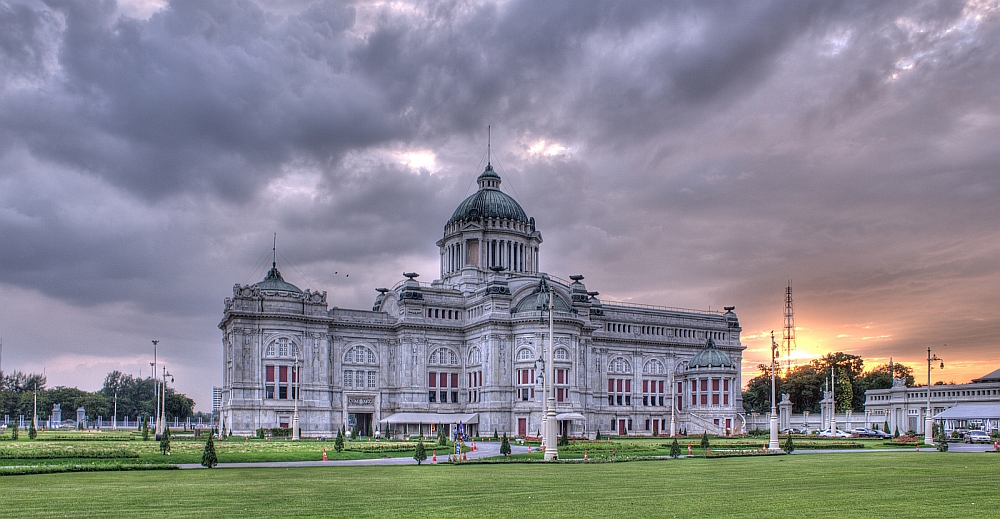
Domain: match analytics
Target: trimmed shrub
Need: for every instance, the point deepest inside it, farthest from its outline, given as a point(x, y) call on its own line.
point(338, 445)
point(675, 449)
point(505, 446)
point(421, 453)
point(208, 458)
point(788, 446)
point(704, 440)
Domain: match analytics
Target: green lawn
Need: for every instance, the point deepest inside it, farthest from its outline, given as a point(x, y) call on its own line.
point(897, 484)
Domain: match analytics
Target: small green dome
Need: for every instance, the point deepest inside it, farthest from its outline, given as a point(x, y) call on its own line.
point(710, 357)
point(489, 202)
point(273, 281)
point(538, 300)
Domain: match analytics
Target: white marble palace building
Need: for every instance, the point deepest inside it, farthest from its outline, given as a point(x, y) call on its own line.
point(469, 348)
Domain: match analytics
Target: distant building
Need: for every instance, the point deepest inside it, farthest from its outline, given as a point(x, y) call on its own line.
point(468, 348)
point(216, 400)
point(906, 407)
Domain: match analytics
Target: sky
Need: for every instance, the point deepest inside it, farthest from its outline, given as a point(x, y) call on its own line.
point(686, 154)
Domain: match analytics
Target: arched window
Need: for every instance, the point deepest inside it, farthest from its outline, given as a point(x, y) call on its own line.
point(360, 355)
point(619, 365)
point(561, 354)
point(443, 357)
point(653, 367)
point(475, 356)
point(525, 354)
point(281, 347)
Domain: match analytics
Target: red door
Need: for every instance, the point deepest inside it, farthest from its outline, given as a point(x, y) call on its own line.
point(656, 427)
point(621, 427)
point(522, 427)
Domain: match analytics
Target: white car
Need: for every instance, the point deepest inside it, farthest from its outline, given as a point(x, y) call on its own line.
point(834, 434)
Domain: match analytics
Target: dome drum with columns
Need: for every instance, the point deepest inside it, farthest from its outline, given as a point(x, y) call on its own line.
point(469, 348)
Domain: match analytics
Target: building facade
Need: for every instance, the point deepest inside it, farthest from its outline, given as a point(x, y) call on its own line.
point(469, 348)
point(906, 407)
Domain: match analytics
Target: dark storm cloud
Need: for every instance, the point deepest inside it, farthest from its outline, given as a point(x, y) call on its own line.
point(705, 152)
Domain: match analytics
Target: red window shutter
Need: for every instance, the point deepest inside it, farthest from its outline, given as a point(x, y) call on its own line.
point(704, 384)
point(645, 386)
point(704, 399)
point(611, 385)
point(680, 387)
point(532, 378)
point(480, 377)
point(725, 385)
point(282, 373)
point(715, 384)
point(661, 386)
point(443, 379)
point(628, 385)
point(454, 380)
point(725, 399)
point(618, 384)
point(715, 399)
point(432, 379)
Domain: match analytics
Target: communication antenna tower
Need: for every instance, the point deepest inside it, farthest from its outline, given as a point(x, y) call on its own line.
point(788, 335)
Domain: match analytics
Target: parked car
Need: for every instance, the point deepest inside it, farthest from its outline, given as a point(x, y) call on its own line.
point(834, 434)
point(861, 432)
point(794, 430)
point(977, 437)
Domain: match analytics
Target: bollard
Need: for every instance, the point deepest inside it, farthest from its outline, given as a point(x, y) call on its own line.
point(324, 455)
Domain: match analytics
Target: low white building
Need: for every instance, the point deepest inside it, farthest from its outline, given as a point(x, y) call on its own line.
point(906, 407)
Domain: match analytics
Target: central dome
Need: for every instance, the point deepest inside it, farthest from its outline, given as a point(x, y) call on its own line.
point(489, 202)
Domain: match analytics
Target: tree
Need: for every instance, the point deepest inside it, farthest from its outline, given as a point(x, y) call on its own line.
point(788, 446)
point(885, 427)
point(941, 441)
point(208, 458)
point(675, 449)
point(145, 428)
point(32, 432)
point(505, 446)
point(338, 444)
point(165, 441)
point(895, 434)
point(704, 440)
point(13, 430)
point(421, 453)
point(757, 397)
point(495, 435)
point(442, 437)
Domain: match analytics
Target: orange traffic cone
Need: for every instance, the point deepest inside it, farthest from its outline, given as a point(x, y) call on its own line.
point(529, 449)
point(473, 446)
point(585, 456)
point(463, 456)
point(434, 458)
point(689, 449)
point(324, 455)
point(918, 447)
point(996, 445)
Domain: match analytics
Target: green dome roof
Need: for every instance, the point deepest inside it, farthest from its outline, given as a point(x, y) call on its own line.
point(489, 202)
point(710, 357)
point(273, 281)
point(538, 300)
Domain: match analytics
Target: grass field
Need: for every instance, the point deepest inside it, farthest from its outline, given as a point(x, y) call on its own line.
point(904, 484)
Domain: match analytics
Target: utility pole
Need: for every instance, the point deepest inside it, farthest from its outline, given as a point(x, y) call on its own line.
point(788, 334)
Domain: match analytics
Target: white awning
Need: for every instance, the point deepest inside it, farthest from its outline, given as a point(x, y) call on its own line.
point(970, 412)
point(431, 418)
point(570, 416)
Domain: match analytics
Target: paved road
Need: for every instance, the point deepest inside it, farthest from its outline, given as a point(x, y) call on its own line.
point(483, 450)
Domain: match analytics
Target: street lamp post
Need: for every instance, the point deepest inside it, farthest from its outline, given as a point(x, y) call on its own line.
point(114, 418)
point(295, 400)
point(673, 403)
point(773, 443)
point(929, 420)
point(156, 388)
point(551, 451)
point(540, 366)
